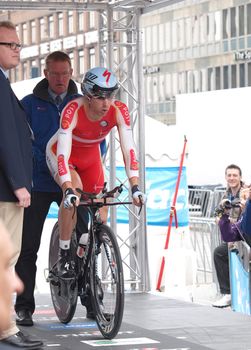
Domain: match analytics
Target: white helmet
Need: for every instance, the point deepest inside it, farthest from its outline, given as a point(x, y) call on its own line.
point(99, 82)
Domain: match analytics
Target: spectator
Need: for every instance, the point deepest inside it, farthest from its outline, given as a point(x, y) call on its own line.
point(240, 230)
point(233, 176)
point(43, 108)
point(15, 164)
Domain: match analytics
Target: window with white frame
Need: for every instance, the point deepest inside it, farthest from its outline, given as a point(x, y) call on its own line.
point(51, 30)
point(80, 21)
point(25, 34)
point(33, 31)
point(92, 19)
point(60, 24)
point(70, 22)
point(42, 28)
point(92, 57)
point(81, 67)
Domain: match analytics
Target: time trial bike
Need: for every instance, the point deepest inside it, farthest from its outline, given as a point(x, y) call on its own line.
point(98, 274)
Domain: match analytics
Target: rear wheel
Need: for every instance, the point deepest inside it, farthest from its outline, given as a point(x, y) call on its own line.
point(64, 293)
point(107, 283)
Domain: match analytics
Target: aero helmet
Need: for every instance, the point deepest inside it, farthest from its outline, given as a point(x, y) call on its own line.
point(99, 82)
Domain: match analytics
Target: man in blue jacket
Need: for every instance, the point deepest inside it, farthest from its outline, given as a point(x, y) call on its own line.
point(43, 108)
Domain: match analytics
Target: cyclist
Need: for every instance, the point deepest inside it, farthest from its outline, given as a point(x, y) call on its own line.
point(73, 153)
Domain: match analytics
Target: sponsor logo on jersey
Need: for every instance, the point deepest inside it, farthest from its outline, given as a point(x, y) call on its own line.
point(133, 161)
point(103, 123)
point(61, 165)
point(68, 115)
point(124, 111)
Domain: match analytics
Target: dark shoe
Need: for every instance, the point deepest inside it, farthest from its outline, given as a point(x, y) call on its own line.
point(65, 266)
point(24, 318)
point(20, 340)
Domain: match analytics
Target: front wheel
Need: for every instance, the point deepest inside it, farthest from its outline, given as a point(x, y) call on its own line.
point(107, 283)
point(64, 293)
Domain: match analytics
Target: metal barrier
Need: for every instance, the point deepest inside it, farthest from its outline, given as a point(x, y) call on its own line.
point(204, 232)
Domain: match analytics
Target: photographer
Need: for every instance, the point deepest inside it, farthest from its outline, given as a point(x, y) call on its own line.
point(233, 176)
point(240, 230)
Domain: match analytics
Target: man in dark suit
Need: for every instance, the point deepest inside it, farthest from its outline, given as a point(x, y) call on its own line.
point(15, 164)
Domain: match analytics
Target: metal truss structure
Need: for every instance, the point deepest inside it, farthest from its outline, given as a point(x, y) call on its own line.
point(120, 48)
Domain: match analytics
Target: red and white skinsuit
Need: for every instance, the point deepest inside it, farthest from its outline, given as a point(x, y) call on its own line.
point(76, 144)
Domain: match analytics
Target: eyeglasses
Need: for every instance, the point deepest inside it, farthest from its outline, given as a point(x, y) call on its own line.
point(12, 46)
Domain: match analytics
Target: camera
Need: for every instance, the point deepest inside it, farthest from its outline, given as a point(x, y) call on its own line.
point(227, 204)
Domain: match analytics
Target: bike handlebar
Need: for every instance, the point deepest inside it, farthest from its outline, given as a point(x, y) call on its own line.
point(89, 198)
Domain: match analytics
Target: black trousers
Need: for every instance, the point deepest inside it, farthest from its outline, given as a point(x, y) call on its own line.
point(221, 263)
point(34, 218)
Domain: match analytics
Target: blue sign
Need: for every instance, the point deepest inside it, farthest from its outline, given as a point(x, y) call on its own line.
point(240, 289)
point(160, 190)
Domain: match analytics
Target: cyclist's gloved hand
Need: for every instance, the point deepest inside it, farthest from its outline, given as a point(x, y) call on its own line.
point(70, 198)
point(138, 196)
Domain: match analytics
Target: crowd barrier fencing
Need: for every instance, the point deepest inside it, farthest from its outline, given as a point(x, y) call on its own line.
point(204, 232)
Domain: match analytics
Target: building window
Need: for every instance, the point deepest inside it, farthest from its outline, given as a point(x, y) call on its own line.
point(248, 18)
point(203, 80)
point(242, 75)
point(15, 74)
point(196, 81)
point(233, 22)
point(17, 30)
point(81, 67)
point(80, 21)
point(148, 42)
point(33, 31)
point(25, 71)
point(148, 89)
point(154, 40)
point(25, 34)
point(42, 28)
point(161, 87)
point(60, 24)
point(217, 78)
point(168, 87)
point(51, 31)
point(225, 24)
point(210, 27)
point(195, 30)
point(92, 19)
point(167, 36)
point(155, 89)
point(181, 33)
point(217, 26)
point(174, 84)
point(210, 86)
point(225, 77)
point(161, 37)
point(182, 82)
point(92, 57)
point(241, 21)
point(34, 73)
point(70, 22)
point(249, 74)
point(174, 35)
point(42, 65)
point(233, 77)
